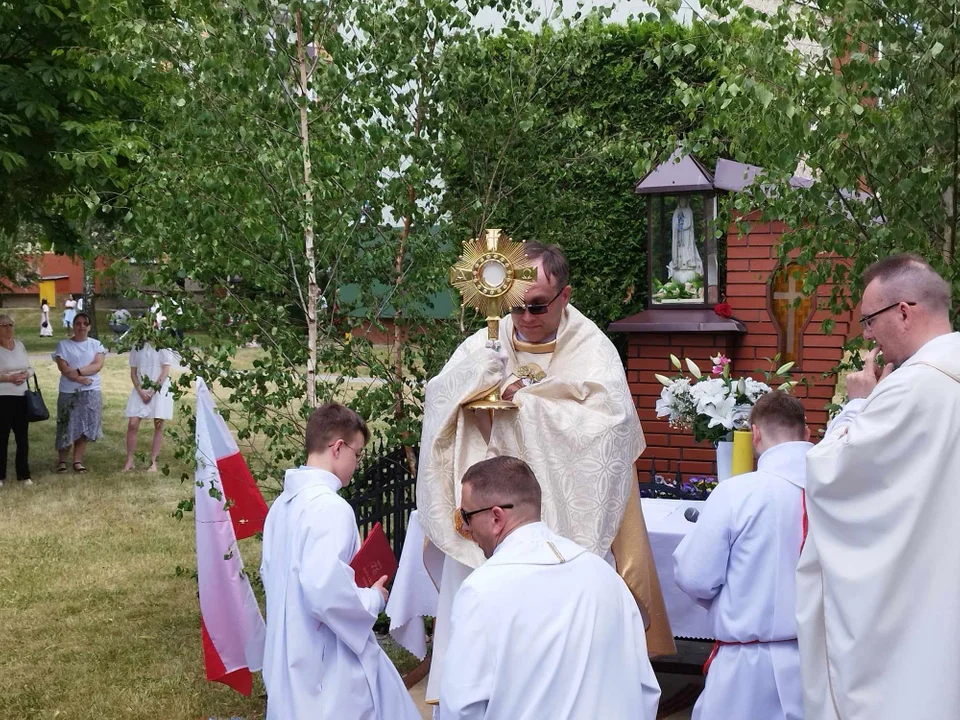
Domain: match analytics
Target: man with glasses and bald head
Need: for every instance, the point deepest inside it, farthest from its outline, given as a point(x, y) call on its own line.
point(576, 427)
point(878, 583)
point(543, 629)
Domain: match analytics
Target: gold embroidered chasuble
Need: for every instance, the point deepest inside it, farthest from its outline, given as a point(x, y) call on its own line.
point(578, 430)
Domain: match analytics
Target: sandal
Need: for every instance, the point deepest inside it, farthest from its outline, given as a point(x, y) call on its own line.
point(62, 467)
point(79, 468)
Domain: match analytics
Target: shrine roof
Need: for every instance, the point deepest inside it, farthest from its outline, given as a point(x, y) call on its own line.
point(735, 176)
point(677, 320)
point(679, 173)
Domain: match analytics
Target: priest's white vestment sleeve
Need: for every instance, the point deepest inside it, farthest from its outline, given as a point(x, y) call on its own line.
point(879, 581)
point(545, 630)
point(322, 660)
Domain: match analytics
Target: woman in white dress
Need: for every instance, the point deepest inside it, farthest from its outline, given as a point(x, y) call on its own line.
point(150, 398)
point(46, 330)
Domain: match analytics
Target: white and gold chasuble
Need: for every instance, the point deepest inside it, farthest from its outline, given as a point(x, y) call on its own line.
point(578, 430)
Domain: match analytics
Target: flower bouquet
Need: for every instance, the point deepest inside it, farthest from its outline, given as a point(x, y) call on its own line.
point(713, 406)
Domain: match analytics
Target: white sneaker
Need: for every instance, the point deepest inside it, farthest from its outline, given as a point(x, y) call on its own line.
point(1, 483)
point(28, 481)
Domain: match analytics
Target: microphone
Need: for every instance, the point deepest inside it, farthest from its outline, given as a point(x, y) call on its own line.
point(691, 514)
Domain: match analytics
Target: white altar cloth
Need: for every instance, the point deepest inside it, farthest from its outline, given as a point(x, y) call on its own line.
point(666, 527)
point(414, 594)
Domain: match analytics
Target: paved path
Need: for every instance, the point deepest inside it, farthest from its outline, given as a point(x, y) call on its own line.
point(322, 377)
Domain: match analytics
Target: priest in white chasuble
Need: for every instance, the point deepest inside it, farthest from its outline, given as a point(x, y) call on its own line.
point(739, 560)
point(879, 578)
point(576, 426)
point(544, 628)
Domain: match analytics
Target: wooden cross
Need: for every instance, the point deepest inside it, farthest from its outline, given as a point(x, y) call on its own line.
point(791, 295)
point(790, 310)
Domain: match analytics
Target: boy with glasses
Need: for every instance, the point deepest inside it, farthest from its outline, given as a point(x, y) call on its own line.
point(322, 660)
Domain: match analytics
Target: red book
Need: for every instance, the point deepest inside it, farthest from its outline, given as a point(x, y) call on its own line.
point(374, 559)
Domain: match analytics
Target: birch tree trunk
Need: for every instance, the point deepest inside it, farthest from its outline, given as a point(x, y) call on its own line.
point(312, 288)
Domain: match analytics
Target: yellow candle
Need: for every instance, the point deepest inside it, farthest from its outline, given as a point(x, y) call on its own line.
point(742, 452)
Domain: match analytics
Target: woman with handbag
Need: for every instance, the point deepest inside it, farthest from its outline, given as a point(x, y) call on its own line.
point(15, 370)
point(79, 406)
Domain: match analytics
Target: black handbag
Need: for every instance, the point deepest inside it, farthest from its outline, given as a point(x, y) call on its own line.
point(36, 408)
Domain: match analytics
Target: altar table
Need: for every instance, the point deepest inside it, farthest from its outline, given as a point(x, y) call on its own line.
point(414, 595)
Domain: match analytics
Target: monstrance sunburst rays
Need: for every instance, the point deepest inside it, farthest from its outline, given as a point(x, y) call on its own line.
point(493, 273)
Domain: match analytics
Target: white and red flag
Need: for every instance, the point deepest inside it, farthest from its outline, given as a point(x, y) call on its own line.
point(228, 507)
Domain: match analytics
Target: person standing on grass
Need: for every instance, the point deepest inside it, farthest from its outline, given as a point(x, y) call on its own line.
point(69, 311)
point(322, 660)
point(46, 330)
point(79, 405)
point(150, 398)
point(15, 370)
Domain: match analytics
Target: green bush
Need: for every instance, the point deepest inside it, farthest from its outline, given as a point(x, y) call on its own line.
point(556, 128)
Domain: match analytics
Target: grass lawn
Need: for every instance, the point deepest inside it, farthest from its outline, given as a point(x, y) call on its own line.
point(95, 621)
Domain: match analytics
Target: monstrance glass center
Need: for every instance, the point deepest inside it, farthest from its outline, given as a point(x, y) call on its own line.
point(493, 274)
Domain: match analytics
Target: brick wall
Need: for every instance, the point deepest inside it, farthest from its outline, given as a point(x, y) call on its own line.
point(751, 259)
point(52, 264)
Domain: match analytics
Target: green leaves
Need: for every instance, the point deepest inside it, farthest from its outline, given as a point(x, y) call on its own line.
point(554, 129)
point(860, 97)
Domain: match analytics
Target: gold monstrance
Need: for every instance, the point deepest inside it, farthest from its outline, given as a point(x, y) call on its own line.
point(493, 275)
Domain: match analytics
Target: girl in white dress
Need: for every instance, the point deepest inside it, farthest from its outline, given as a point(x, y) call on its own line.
point(149, 370)
point(46, 330)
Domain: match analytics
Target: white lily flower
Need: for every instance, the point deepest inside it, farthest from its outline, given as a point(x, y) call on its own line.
point(722, 413)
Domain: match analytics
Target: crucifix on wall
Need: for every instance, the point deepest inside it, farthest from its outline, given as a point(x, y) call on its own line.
point(789, 309)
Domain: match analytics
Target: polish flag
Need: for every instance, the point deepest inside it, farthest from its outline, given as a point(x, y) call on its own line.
point(228, 507)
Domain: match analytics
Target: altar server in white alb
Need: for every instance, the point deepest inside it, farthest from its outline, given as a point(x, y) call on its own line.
point(740, 559)
point(879, 578)
point(322, 660)
point(544, 629)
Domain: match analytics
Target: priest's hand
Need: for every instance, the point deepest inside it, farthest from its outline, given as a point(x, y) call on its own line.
point(511, 390)
point(379, 586)
point(496, 357)
point(861, 383)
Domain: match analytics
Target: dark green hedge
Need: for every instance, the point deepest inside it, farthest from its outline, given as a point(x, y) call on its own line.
point(553, 130)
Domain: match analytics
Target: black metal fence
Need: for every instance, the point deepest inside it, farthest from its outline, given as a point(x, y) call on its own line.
point(384, 491)
point(675, 487)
